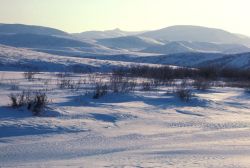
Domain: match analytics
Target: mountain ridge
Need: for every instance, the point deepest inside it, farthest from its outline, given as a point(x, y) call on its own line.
point(196, 33)
point(94, 35)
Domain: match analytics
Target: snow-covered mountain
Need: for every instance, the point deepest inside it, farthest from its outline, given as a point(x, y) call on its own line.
point(187, 46)
point(104, 34)
point(196, 33)
point(37, 40)
point(53, 41)
point(129, 42)
point(30, 29)
point(198, 45)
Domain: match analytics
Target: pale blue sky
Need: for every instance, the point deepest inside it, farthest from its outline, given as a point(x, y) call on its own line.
point(82, 15)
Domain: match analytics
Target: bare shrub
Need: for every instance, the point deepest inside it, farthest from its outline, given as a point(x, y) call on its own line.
point(184, 91)
point(146, 86)
point(19, 100)
point(121, 84)
point(101, 90)
point(65, 83)
point(201, 84)
point(35, 102)
point(14, 101)
point(29, 75)
point(162, 73)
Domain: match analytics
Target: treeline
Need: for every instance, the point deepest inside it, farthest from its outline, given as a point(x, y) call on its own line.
point(168, 72)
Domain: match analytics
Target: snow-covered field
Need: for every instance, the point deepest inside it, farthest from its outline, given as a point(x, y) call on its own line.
point(139, 129)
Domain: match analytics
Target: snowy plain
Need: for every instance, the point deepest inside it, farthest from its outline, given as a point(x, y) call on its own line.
point(139, 129)
point(142, 128)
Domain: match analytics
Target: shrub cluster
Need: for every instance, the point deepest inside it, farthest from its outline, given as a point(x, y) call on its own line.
point(184, 91)
point(100, 90)
point(35, 102)
point(201, 84)
point(160, 73)
point(120, 83)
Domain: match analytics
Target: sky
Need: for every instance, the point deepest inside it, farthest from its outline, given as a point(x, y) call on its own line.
point(130, 15)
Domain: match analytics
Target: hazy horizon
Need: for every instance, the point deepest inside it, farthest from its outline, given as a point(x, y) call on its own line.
point(130, 15)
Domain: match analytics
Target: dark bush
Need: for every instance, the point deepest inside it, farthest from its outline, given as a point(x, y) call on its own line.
point(184, 91)
point(14, 101)
point(201, 84)
point(35, 102)
point(101, 90)
point(162, 73)
point(65, 83)
point(121, 84)
point(19, 100)
point(146, 86)
point(29, 75)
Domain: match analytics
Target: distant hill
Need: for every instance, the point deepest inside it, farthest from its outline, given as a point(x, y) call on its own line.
point(241, 61)
point(104, 34)
point(190, 46)
point(196, 34)
point(128, 42)
point(187, 46)
point(35, 40)
point(24, 29)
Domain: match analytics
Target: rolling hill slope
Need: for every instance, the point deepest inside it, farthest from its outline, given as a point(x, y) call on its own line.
point(129, 42)
point(30, 29)
point(93, 35)
point(196, 34)
point(187, 46)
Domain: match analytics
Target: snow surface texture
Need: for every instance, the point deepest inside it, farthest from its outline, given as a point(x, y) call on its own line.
point(141, 129)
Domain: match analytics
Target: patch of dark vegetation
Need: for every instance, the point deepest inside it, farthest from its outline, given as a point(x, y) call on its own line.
point(29, 75)
point(33, 101)
point(162, 73)
point(146, 86)
point(120, 83)
point(184, 91)
point(202, 84)
point(68, 83)
point(101, 89)
point(166, 72)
